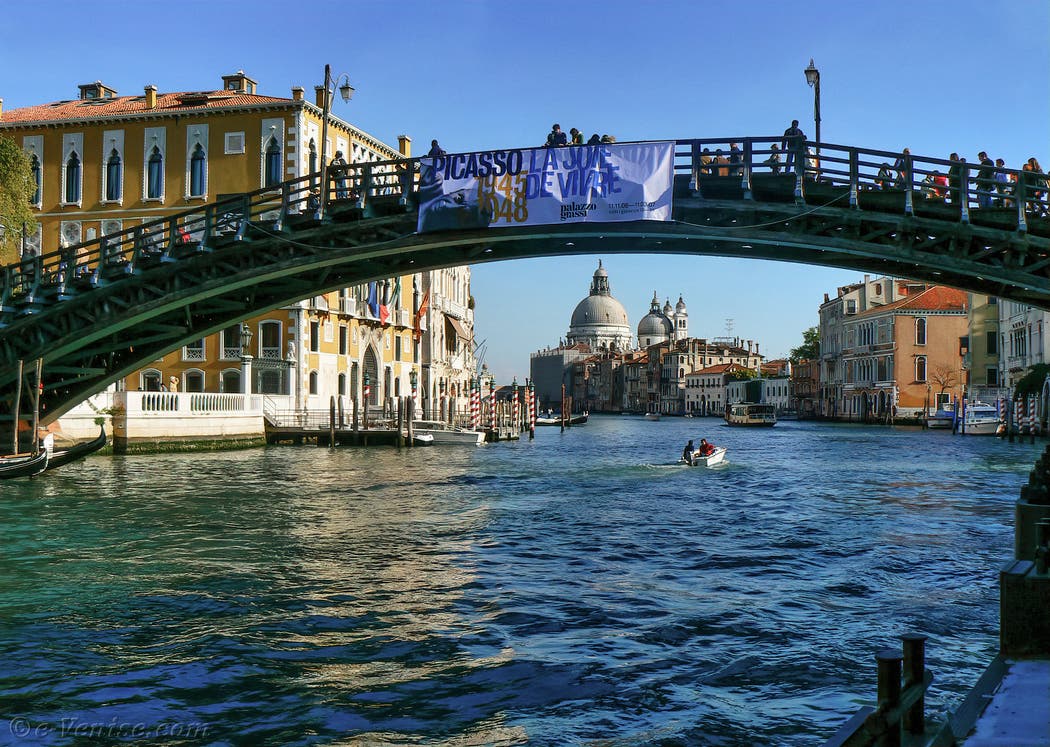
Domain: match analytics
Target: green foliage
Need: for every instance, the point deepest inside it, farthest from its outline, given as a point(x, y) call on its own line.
point(810, 347)
point(16, 189)
point(1032, 382)
point(743, 375)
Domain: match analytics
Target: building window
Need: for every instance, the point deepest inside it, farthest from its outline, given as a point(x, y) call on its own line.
point(341, 381)
point(270, 344)
point(993, 343)
point(155, 175)
point(149, 380)
point(193, 380)
point(234, 143)
point(230, 381)
point(72, 192)
point(342, 339)
point(993, 376)
point(273, 163)
point(313, 382)
point(114, 176)
point(231, 342)
point(397, 347)
point(194, 351)
point(920, 368)
point(920, 331)
point(198, 173)
point(34, 165)
point(315, 337)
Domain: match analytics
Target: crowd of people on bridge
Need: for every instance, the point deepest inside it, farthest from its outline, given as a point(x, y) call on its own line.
point(994, 186)
point(556, 138)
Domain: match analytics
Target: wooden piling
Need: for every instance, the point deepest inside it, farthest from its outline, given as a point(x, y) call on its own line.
point(18, 401)
point(400, 422)
point(889, 693)
point(331, 423)
point(411, 421)
point(914, 672)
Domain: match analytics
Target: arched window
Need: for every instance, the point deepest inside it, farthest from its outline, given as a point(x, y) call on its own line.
point(313, 382)
point(198, 172)
point(920, 368)
point(193, 380)
point(920, 331)
point(72, 178)
point(354, 378)
point(34, 165)
point(155, 175)
point(114, 176)
point(273, 163)
point(342, 384)
point(149, 380)
point(230, 381)
point(371, 373)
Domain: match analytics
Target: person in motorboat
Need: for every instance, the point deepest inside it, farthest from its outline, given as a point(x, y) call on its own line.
point(687, 452)
point(706, 449)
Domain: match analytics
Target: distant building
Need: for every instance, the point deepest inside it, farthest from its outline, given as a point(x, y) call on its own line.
point(599, 321)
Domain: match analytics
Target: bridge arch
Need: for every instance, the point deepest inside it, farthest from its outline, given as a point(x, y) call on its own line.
point(104, 308)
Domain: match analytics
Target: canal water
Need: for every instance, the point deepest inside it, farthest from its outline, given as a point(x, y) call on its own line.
point(579, 589)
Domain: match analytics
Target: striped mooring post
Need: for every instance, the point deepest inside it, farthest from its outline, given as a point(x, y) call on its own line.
point(475, 405)
point(516, 414)
point(1018, 417)
point(492, 408)
point(1032, 426)
point(531, 388)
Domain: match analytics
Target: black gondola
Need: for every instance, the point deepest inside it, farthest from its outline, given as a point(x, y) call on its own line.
point(60, 457)
point(23, 466)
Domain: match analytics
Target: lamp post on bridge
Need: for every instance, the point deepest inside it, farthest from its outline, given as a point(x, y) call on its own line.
point(346, 91)
point(246, 358)
point(813, 78)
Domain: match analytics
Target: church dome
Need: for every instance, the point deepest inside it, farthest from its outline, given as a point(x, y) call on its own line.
point(599, 320)
point(680, 306)
point(655, 326)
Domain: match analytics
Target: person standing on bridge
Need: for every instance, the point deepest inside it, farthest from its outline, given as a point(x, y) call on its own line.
point(955, 178)
point(338, 170)
point(985, 180)
point(436, 150)
point(556, 138)
point(734, 159)
point(794, 143)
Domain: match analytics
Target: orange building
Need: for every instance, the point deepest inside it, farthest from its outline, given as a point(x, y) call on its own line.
point(898, 356)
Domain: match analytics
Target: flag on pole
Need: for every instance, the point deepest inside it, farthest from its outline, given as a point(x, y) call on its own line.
point(395, 299)
point(421, 316)
point(384, 305)
point(373, 300)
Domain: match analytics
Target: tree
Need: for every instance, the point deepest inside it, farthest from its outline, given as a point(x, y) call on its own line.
point(810, 347)
point(1032, 382)
point(944, 377)
point(741, 374)
point(16, 189)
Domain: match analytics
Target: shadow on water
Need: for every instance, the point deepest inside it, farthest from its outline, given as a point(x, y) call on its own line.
point(582, 588)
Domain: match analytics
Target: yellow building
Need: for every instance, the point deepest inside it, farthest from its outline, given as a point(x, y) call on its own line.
point(104, 162)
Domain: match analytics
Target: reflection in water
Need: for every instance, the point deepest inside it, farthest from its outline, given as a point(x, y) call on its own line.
point(579, 589)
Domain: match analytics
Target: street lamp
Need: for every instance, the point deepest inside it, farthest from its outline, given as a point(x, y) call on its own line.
point(246, 358)
point(813, 78)
point(246, 338)
point(346, 91)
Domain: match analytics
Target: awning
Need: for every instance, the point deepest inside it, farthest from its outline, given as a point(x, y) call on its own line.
point(458, 327)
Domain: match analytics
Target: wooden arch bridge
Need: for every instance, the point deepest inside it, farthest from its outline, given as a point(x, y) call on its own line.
point(97, 311)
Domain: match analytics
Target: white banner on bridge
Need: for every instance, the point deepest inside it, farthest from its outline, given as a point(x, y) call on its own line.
point(540, 186)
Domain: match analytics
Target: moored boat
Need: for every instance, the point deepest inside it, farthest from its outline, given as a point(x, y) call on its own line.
point(61, 457)
point(752, 414)
point(980, 419)
point(423, 439)
point(444, 434)
point(23, 465)
point(652, 416)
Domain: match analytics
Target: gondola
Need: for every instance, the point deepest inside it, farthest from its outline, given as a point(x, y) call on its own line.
point(23, 465)
point(60, 457)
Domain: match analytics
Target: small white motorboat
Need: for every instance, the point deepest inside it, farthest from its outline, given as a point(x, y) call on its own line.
point(710, 460)
point(422, 439)
point(652, 416)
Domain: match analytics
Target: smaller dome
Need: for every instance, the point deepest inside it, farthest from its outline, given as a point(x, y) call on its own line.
point(654, 324)
point(680, 306)
point(600, 272)
point(667, 307)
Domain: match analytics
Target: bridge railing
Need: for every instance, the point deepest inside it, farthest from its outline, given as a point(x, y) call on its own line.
point(766, 168)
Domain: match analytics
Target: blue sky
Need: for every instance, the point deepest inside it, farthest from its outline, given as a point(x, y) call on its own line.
point(936, 76)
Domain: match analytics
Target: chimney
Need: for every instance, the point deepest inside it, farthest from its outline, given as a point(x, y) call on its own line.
point(826, 299)
point(298, 93)
point(151, 97)
point(404, 145)
point(319, 96)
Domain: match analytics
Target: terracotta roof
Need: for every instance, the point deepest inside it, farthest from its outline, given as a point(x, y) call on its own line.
point(720, 368)
point(124, 106)
point(934, 298)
